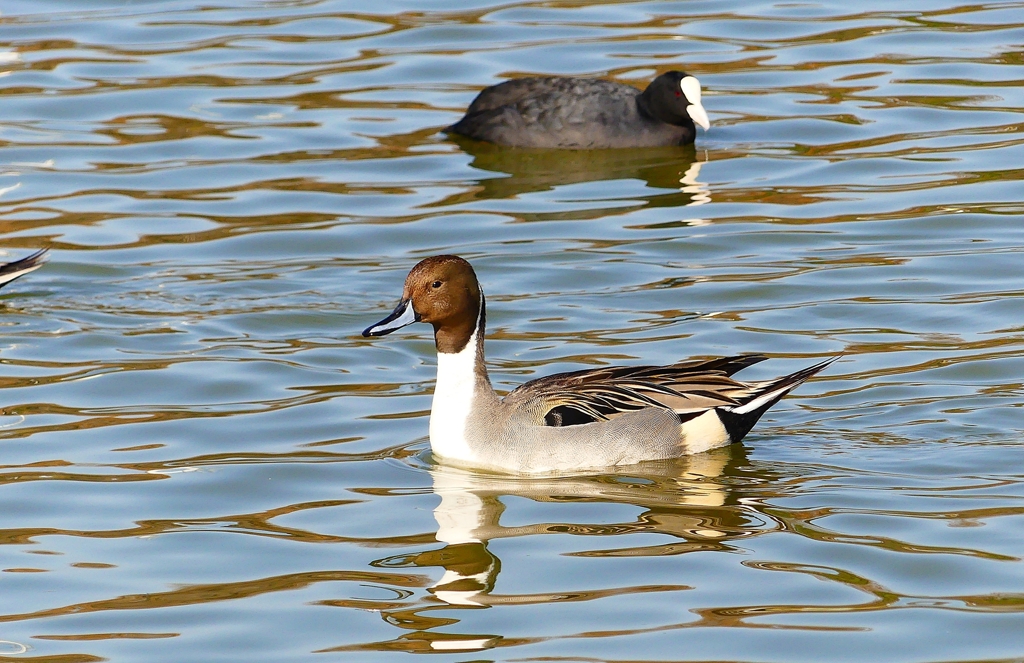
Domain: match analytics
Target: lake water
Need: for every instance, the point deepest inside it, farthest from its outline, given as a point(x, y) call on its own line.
point(202, 460)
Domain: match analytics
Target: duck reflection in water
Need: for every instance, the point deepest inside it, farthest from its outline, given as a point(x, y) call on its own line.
point(689, 500)
point(670, 174)
point(683, 498)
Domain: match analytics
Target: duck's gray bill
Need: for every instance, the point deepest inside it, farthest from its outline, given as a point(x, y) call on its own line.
point(402, 315)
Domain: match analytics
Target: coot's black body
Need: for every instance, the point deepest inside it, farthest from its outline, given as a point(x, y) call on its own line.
point(583, 113)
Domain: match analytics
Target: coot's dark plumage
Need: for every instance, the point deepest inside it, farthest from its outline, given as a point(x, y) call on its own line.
point(582, 113)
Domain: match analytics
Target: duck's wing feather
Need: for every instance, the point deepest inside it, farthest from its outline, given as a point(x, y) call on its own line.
point(688, 387)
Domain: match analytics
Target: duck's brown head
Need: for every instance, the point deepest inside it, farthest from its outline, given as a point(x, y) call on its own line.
point(442, 291)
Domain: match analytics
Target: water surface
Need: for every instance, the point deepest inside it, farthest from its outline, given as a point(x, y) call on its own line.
point(201, 459)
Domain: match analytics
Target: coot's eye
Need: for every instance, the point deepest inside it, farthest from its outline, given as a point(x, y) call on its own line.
point(678, 93)
point(435, 285)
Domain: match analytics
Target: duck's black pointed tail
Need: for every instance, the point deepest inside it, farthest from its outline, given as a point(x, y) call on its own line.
point(12, 270)
point(739, 419)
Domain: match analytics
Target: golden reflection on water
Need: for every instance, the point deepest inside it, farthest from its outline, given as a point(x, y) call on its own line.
point(698, 501)
point(230, 192)
point(682, 499)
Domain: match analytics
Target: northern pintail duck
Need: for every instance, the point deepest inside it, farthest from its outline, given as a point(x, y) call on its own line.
point(586, 113)
point(12, 270)
point(575, 421)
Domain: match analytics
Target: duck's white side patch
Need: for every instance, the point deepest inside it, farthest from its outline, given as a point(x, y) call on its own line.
point(703, 433)
point(453, 401)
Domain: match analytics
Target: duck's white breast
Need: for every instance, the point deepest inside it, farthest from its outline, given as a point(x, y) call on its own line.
point(453, 402)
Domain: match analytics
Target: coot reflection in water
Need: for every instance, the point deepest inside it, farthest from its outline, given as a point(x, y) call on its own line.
point(671, 172)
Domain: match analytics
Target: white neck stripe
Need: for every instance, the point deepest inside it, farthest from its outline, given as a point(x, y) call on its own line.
point(454, 397)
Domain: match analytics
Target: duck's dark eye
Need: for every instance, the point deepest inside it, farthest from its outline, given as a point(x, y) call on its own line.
point(435, 285)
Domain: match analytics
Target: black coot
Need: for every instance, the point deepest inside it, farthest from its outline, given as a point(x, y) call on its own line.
point(586, 113)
